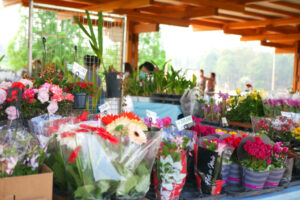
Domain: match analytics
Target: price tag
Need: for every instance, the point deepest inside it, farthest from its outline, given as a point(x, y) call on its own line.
point(120, 76)
point(224, 121)
point(151, 115)
point(104, 108)
point(79, 71)
point(184, 123)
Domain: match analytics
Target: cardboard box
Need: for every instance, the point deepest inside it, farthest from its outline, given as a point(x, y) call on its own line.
point(30, 187)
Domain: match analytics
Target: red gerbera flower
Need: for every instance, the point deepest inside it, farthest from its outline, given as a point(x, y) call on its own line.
point(83, 116)
point(110, 118)
point(249, 85)
point(67, 134)
point(74, 154)
point(107, 136)
point(82, 130)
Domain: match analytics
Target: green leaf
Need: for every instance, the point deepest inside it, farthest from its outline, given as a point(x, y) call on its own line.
point(100, 33)
point(103, 185)
point(119, 127)
point(2, 57)
point(89, 21)
point(83, 192)
point(82, 27)
point(127, 185)
point(143, 184)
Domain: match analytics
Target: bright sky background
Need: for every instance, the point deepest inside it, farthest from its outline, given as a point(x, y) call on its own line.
point(176, 41)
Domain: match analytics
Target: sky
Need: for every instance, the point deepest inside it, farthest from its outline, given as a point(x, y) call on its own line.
point(177, 41)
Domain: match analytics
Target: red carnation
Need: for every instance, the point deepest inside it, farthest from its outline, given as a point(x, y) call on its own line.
point(74, 154)
point(19, 85)
point(249, 85)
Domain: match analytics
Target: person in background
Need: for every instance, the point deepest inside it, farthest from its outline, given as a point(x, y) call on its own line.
point(202, 83)
point(92, 63)
point(211, 84)
point(145, 69)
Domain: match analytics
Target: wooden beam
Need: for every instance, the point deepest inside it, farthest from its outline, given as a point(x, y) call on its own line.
point(204, 28)
point(207, 24)
point(280, 51)
point(119, 4)
point(281, 29)
point(153, 19)
point(166, 12)
point(263, 23)
point(272, 37)
point(6, 3)
point(288, 5)
point(226, 5)
point(271, 10)
point(240, 32)
point(56, 3)
point(199, 12)
point(145, 28)
point(296, 77)
point(132, 41)
point(232, 17)
point(277, 45)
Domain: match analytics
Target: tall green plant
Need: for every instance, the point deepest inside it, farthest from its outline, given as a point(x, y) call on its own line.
point(97, 46)
point(2, 57)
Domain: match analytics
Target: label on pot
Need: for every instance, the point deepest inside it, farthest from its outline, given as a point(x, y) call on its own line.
point(184, 123)
point(104, 108)
point(151, 115)
point(79, 71)
point(224, 121)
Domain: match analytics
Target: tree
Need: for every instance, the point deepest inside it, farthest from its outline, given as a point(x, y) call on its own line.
point(150, 49)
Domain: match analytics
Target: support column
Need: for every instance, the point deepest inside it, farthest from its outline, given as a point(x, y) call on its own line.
point(296, 78)
point(132, 48)
point(30, 37)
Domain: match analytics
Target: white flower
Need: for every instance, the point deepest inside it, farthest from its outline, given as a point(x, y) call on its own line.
point(5, 85)
point(52, 107)
point(11, 163)
point(43, 96)
point(136, 134)
point(27, 82)
point(1, 149)
point(3, 96)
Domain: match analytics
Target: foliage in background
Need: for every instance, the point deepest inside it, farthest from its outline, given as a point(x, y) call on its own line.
point(150, 49)
point(173, 82)
point(241, 107)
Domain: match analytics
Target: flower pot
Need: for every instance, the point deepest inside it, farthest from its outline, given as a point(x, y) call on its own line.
point(113, 84)
point(80, 100)
point(225, 173)
point(174, 194)
point(274, 177)
point(253, 180)
point(235, 174)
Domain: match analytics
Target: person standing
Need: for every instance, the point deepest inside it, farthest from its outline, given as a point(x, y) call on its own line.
point(211, 84)
point(202, 83)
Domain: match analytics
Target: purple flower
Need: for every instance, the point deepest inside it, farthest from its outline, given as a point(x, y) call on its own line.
point(147, 122)
point(224, 96)
point(160, 123)
point(205, 108)
point(218, 108)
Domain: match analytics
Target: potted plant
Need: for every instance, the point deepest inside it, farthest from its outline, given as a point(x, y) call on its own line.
point(256, 167)
point(277, 167)
point(81, 90)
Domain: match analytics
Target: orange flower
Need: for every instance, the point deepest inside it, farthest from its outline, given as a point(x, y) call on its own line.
point(110, 118)
point(67, 134)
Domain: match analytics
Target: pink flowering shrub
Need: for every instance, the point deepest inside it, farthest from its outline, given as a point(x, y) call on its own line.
point(259, 155)
point(202, 130)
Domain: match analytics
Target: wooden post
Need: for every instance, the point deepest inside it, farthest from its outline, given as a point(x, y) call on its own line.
point(132, 48)
point(296, 78)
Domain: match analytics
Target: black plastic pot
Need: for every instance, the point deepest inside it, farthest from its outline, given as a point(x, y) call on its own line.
point(113, 84)
point(80, 100)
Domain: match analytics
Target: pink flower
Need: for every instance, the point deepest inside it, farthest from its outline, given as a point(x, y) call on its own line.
point(52, 107)
point(69, 97)
point(43, 96)
point(26, 82)
point(36, 90)
point(269, 161)
point(2, 96)
point(11, 162)
point(57, 98)
point(28, 94)
point(56, 90)
point(285, 149)
point(12, 112)
point(46, 86)
point(5, 85)
point(167, 121)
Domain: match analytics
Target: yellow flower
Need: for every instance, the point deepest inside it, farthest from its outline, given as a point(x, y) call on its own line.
point(238, 91)
point(263, 94)
point(232, 132)
point(230, 101)
point(136, 134)
point(242, 98)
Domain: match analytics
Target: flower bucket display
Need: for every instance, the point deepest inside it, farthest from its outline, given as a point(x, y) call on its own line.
point(274, 177)
point(113, 84)
point(235, 174)
point(111, 161)
point(171, 175)
point(225, 173)
point(80, 100)
point(253, 180)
